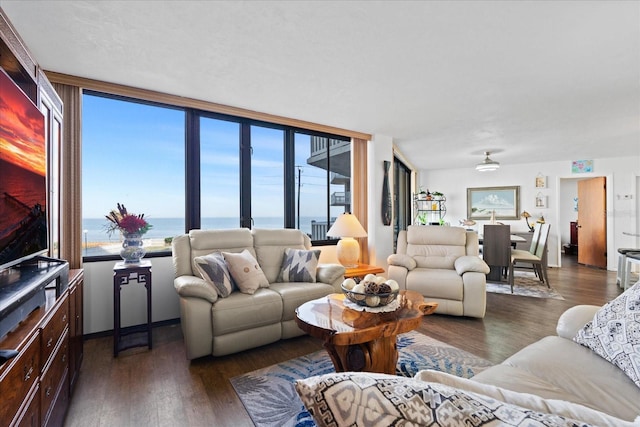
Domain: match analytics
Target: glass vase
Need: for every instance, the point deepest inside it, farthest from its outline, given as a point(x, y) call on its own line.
point(132, 248)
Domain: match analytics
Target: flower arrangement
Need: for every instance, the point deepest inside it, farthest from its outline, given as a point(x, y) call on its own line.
point(121, 220)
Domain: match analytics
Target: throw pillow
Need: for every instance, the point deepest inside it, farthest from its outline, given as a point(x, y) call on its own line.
point(614, 333)
point(367, 399)
point(214, 271)
point(245, 271)
point(299, 265)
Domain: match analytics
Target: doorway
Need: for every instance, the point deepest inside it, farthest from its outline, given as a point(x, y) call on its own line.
point(570, 207)
point(592, 222)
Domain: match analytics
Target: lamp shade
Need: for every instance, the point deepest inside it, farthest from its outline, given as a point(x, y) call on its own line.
point(346, 225)
point(487, 164)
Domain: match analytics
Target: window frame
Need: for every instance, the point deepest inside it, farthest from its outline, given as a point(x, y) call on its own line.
point(192, 208)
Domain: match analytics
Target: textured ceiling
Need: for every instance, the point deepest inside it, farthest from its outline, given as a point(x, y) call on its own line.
point(528, 81)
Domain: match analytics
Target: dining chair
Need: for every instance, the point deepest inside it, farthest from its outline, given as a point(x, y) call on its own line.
point(496, 243)
point(534, 256)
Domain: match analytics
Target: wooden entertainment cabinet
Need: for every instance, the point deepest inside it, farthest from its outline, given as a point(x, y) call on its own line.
point(36, 385)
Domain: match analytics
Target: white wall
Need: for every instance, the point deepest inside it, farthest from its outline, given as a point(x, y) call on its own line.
point(622, 213)
point(380, 237)
point(98, 296)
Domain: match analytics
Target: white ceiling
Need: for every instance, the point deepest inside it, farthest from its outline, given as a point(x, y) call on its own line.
point(530, 81)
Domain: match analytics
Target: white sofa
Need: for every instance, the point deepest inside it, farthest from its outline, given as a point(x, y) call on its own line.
point(213, 325)
point(550, 382)
point(556, 367)
point(442, 264)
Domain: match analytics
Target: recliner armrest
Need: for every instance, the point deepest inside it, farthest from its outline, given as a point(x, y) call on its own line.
point(574, 319)
point(329, 273)
point(402, 260)
point(470, 263)
point(192, 286)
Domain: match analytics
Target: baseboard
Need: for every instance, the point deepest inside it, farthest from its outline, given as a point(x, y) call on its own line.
point(109, 333)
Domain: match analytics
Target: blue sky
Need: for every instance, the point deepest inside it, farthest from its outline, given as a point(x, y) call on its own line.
point(134, 154)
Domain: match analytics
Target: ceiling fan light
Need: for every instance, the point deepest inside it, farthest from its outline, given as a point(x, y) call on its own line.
point(487, 164)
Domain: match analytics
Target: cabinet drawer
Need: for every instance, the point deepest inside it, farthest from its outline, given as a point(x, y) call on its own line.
point(53, 328)
point(55, 418)
point(30, 416)
point(18, 379)
point(52, 377)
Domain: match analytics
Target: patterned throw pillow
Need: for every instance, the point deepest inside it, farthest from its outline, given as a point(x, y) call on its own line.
point(299, 265)
point(214, 271)
point(246, 271)
point(614, 333)
point(366, 399)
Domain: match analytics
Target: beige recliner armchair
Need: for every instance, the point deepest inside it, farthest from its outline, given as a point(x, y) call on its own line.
point(442, 264)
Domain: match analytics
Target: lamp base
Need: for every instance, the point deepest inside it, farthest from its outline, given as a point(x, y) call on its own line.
point(348, 252)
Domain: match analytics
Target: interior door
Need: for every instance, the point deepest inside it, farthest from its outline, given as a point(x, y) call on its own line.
point(592, 222)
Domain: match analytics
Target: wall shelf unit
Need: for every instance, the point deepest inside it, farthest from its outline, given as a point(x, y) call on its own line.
point(430, 209)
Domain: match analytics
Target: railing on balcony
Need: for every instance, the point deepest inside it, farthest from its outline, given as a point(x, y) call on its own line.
point(319, 229)
point(341, 198)
point(319, 144)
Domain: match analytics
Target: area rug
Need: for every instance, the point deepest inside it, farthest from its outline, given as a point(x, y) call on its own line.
point(525, 284)
point(269, 396)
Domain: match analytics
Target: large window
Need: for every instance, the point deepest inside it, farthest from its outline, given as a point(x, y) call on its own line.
point(185, 168)
point(133, 154)
point(402, 198)
point(267, 177)
point(323, 182)
point(219, 173)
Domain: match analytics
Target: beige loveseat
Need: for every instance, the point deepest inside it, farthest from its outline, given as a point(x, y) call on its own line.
point(215, 325)
point(442, 264)
point(557, 369)
point(553, 382)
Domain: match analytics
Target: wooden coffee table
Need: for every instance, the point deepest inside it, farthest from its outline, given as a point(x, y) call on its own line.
point(360, 340)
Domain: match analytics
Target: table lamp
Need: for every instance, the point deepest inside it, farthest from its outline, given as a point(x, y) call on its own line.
point(347, 227)
point(526, 215)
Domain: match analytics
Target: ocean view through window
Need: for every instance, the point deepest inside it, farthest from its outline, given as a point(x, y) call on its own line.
point(99, 243)
point(132, 153)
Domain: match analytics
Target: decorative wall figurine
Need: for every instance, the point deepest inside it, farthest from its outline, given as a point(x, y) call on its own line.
point(386, 195)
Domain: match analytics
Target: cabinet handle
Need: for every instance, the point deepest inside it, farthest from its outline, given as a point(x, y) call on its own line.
point(28, 370)
point(49, 342)
point(64, 318)
point(48, 391)
point(64, 357)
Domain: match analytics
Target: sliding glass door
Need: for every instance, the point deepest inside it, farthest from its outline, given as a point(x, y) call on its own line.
point(402, 198)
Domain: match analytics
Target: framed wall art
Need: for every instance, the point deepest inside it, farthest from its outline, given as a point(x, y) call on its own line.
point(582, 166)
point(483, 201)
point(541, 201)
point(541, 181)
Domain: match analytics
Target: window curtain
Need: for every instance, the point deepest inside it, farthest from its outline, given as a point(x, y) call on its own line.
point(71, 175)
point(359, 191)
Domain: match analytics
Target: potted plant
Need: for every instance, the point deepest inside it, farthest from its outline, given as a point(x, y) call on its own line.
point(132, 227)
point(422, 195)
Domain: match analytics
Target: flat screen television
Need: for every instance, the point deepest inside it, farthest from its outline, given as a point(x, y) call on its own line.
point(23, 176)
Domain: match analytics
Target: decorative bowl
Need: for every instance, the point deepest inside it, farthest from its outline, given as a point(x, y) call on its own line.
point(370, 300)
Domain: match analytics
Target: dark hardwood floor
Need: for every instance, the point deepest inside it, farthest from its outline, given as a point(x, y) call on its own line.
point(161, 388)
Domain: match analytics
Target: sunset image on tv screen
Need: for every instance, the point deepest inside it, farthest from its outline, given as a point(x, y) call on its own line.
point(23, 167)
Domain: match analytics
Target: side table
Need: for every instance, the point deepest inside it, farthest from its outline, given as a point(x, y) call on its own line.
point(362, 270)
point(123, 274)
